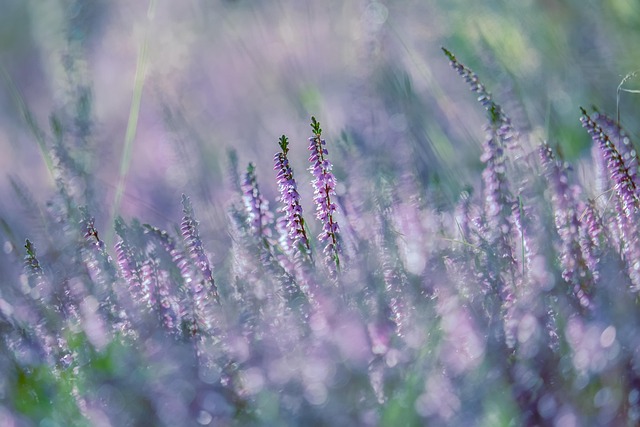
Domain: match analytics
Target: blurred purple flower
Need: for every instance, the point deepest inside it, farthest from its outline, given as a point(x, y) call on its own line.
point(574, 267)
point(189, 229)
point(498, 119)
point(257, 207)
point(591, 237)
point(129, 266)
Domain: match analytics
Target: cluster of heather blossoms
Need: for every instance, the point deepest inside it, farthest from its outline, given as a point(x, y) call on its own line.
point(292, 222)
point(189, 229)
point(622, 174)
point(525, 284)
point(257, 207)
point(572, 257)
point(324, 185)
point(498, 222)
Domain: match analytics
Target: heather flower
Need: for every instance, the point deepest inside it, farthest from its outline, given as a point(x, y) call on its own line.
point(254, 225)
point(324, 184)
point(500, 134)
point(160, 297)
point(293, 222)
point(497, 118)
point(178, 257)
point(101, 261)
point(502, 215)
point(593, 225)
point(591, 239)
point(619, 172)
point(627, 197)
point(176, 270)
point(44, 328)
point(618, 136)
point(497, 196)
point(499, 267)
point(99, 266)
point(574, 267)
point(394, 277)
point(257, 207)
point(128, 263)
point(418, 329)
point(189, 229)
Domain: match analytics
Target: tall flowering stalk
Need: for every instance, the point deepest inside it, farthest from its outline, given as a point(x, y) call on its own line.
point(160, 298)
point(498, 200)
point(129, 264)
point(623, 144)
point(256, 206)
point(497, 196)
point(191, 235)
point(500, 133)
point(575, 268)
point(44, 325)
point(178, 257)
point(497, 117)
point(99, 266)
point(591, 237)
point(177, 271)
point(294, 227)
point(324, 184)
point(395, 279)
point(255, 225)
point(626, 190)
point(619, 172)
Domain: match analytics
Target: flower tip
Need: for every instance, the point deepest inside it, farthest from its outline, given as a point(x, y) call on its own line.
point(284, 143)
point(448, 53)
point(315, 125)
point(29, 247)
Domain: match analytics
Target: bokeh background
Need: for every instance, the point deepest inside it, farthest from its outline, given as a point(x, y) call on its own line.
point(189, 81)
point(133, 102)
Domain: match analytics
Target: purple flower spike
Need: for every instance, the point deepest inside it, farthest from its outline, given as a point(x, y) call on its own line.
point(623, 144)
point(324, 184)
point(623, 180)
point(296, 236)
point(497, 196)
point(500, 135)
point(591, 230)
point(575, 268)
point(497, 117)
point(257, 207)
point(627, 197)
point(128, 263)
point(189, 229)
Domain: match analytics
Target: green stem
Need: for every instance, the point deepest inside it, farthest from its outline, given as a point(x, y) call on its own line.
point(132, 124)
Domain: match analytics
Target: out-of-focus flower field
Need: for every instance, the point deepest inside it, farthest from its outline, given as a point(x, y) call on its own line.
point(414, 257)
